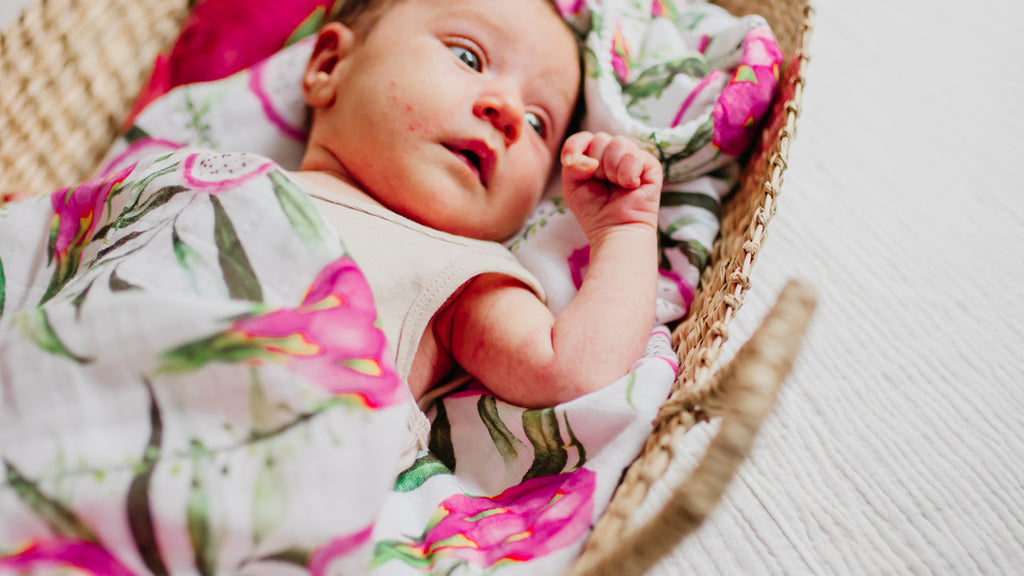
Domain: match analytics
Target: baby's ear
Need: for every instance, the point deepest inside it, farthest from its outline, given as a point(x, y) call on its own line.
point(319, 82)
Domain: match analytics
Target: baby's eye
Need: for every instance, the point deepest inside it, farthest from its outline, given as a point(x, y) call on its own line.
point(537, 123)
point(468, 57)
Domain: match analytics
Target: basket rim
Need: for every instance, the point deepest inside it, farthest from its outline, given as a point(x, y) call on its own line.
point(693, 389)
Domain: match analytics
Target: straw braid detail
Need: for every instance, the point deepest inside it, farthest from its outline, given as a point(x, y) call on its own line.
point(697, 395)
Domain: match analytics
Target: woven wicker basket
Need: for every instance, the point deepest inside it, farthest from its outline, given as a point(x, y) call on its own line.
point(70, 69)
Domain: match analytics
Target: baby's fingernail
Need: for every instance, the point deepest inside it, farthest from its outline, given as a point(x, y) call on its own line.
point(568, 159)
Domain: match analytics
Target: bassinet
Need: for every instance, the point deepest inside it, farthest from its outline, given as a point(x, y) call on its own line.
point(70, 69)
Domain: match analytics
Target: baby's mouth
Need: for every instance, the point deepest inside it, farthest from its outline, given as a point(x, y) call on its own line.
point(477, 157)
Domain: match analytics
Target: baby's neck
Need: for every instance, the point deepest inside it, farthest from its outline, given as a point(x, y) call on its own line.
point(335, 185)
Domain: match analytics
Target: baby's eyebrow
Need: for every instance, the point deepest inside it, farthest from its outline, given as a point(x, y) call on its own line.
point(480, 18)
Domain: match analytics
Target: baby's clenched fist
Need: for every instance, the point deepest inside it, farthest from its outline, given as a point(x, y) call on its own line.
point(610, 181)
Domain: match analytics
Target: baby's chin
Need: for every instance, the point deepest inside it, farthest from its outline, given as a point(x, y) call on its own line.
point(482, 231)
point(470, 227)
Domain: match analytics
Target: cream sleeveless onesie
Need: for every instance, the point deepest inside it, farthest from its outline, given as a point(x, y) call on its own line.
point(412, 271)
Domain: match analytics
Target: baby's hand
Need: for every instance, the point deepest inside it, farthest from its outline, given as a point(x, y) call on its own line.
point(609, 182)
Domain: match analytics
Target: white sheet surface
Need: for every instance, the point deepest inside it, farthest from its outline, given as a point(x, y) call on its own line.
point(896, 445)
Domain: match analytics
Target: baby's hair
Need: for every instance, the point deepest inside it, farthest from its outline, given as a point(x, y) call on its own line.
point(361, 15)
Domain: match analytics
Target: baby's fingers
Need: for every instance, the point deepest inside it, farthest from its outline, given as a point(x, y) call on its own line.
point(576, 162)
point(623, 163)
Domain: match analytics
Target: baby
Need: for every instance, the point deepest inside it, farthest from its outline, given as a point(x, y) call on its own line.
point(449, 116)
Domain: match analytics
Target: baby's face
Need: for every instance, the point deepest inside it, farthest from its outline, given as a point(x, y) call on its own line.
point(452, 112)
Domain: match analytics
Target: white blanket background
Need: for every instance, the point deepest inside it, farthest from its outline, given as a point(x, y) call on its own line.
point(896, 446)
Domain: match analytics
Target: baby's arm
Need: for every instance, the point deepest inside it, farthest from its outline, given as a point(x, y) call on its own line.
point(502, 334)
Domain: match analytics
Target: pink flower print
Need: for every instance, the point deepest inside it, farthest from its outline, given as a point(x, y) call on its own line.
point(569, 8)
point(257, 85)
point(620, 56)
point(747, 96)
point(323, 557)
point(158, 84)
point(221, 37)
point(703, 43)
point(86, 557)
point(685, 290)
point(578, 262)
point(527, 521)
point(77, 212)
point(660, 8)
point(710, 79)
point(212, 173)
point(136, 151)
point(331, 339)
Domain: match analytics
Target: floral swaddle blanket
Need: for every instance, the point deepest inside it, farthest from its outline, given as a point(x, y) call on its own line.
point(167, 404)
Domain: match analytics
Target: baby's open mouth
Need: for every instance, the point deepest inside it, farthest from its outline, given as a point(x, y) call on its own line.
point(476, 155)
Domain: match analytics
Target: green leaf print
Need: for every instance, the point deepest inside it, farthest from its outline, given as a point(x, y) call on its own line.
point(132, 214)
point(35, 326)
point(550, 455)
point(294, 556)
point(222, 347)
point(296, 420)
point(301, 213)
point(118, 284)
point(388, 550)
point(113, 248)
point(629, 390)
point(695, 199)
point(440, 443)
point(204, 544)
point(691, 19)
point(504, 440)
point(234, 264)
point(422, 469)
point(654, 80)
point(268, 505)
point(59, 518)
point(700, 139)
point(696, 253)
point(197, 121)
point(188, 258)
point(541, 216)
point(140, 516)
point(581, 450)
point(590, 62)
point(141, 184)
point(79, 299)
point(156, 200)
point(308, 27)
point(134, 134)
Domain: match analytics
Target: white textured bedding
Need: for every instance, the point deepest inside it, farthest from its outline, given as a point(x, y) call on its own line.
point(897, 445)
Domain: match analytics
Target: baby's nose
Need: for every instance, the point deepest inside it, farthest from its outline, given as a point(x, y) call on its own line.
point(503, 113)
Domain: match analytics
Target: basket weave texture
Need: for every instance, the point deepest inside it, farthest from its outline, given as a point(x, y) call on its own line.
point(70, 70)
point(616, 545)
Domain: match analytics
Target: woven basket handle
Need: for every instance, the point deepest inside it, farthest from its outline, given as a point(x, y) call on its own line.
point(743, 392)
